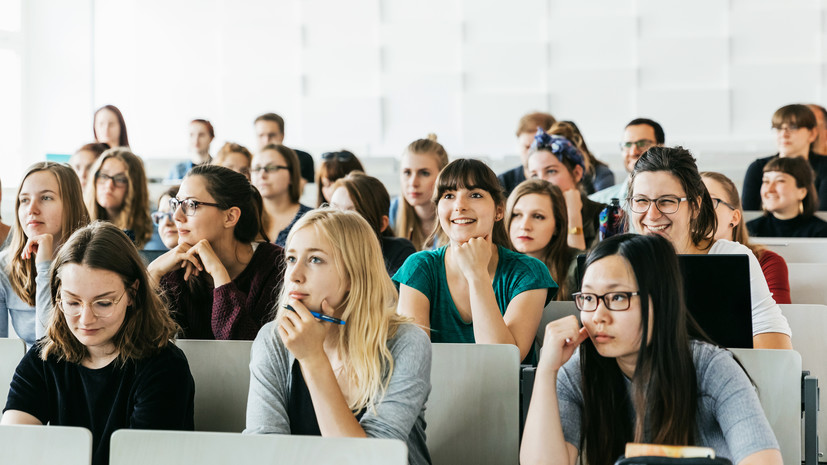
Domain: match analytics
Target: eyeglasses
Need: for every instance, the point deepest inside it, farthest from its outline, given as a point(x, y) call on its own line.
point(786, 127)
point(103, 308)
point(716, 202)
point(665, 204)
point(269, 168)
point(642, 144)
point(119, 180)
point(160, 217)
point(339, 156)
point(189, 206)
point(615, 301)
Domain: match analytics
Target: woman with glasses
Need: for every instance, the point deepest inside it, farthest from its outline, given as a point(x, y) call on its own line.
point(795, 131)
point(731, 226)
point(335, 165)
point(220, 281)
point(276, 173)
point(48, 211)
point(107, 361)
point(667, 197)
point(162, 218)
point(789, 201)
point(119, 194)
point(235, 157)
point(638, 370)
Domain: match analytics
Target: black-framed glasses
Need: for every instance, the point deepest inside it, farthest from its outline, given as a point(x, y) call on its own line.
point(269, 168)
point(160, 217)
point(716, 201)
point(102, 308)
point(339, 156)
point(665, 204)
point(189, 206)
point(617, 301)
point(119, 180)
point(641, 144)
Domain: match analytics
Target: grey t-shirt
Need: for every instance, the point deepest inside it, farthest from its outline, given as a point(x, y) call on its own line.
point(729, 418)
point(400, 414)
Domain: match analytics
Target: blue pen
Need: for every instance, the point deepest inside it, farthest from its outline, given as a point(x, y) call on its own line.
point(319, 316)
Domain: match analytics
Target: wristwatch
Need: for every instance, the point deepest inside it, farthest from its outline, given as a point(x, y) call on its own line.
point(576, 230)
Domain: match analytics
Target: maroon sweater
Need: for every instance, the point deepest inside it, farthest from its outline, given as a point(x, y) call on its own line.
point(236, 310)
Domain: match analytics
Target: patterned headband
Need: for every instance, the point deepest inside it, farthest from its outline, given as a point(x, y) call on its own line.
point(559, 146)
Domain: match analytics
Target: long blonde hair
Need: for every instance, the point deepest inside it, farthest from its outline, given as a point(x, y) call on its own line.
point(369, 305)
point(408, 224)
point(739, 231)
point(22, 273)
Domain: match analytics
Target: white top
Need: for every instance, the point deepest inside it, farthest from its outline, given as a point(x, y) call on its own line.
point(766, 314)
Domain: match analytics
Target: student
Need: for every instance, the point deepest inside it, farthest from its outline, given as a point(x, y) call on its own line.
point(221, 282)
point(789, 201)
point(162, 218)
point(795, 131)
point(597, 175)
point(731, 226)
point(235, 157)
point(201, 136)
point(367, 377)
point(474, 289)
point(277, 176)
point(633, 374)
point(269, 129)
point(107, 361)
point(120, 194)
point(368, 197)
point(83, 160)
point(535, 218)
point(413, 214)
point(334, 165)
point(668, 197)
point(109, 127)
point(556, 160)
point(526, 128)
point(48, 210)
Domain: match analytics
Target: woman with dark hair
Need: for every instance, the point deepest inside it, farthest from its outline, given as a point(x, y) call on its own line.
point(83, 160)
point(556, 160)
point(120, 194)
point(637, 376)
point(535, 218)
point(221, 283)
point(474, 289)
point(107, 361)
point(731, 226)
point(667, 197)
point(277, 176)
point(367, 196)
point(109, 127)
point(598, 175)
point(201, 136)
point(162, 218)
point(334, 165)
point(795, 132)
point(789, 200)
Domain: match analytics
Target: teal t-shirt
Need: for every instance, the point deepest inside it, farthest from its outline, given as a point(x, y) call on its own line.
point(425, 272)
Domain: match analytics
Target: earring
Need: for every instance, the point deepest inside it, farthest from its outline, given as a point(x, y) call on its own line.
point(731, 225)
point(800, 207)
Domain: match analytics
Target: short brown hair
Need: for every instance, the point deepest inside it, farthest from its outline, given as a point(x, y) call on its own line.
point(797, 114)
point(273, 118)
point(534, 120)
point(802, 172)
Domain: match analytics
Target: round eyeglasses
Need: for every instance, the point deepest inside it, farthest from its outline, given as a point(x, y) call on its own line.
point(102, 308)
point(665, 204)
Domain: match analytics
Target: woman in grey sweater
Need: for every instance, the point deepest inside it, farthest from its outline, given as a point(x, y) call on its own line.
point(338, 360)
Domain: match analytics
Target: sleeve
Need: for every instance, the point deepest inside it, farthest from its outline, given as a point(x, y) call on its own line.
point(399, 252)
point(240, 315)
point(164, 393)
point(766, 314)
point(28, 391)
point(4, 306)
point(267, 398)
point(528, 273)
point(777, 276)
point(418, 272)
point(751, 189)
point(603, 178)
point(570, 400)
point(407, 389)
point(753, 227)
point(43, 299)
point(821, 184)
point(392, 212)
point(736, 407)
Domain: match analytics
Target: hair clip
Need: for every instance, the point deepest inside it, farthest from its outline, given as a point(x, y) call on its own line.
point(559, 146)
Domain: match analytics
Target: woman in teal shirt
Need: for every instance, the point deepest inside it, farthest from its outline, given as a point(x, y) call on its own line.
point(474, 289)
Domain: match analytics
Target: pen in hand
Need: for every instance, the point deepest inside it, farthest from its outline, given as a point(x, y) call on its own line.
point(318, 315)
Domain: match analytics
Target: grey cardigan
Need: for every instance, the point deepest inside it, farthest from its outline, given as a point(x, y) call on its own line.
point(399, 415)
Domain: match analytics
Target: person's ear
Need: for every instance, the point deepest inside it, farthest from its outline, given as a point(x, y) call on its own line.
point(813, 135)
point(736, 218)
point(231, 217)
point(500, 213)
point(801, 193)
point(385, 222)
point(577, 174)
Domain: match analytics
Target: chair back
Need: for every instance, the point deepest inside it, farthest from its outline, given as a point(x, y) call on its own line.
point(807, 283)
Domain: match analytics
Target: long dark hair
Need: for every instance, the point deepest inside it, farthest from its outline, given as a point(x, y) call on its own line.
point(123, 140)
point(664, 387)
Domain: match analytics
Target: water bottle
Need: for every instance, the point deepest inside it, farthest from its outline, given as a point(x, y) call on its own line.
point(612, 220)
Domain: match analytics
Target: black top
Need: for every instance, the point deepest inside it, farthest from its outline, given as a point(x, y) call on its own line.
point(511, 178)
point(751, 190)
point(151, 393)
point(395, 250)
point(306, 164)
point(800, 226)
point(300, 409)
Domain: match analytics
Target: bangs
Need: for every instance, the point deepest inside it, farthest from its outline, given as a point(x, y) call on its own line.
point(469, 174)
point(798, 115)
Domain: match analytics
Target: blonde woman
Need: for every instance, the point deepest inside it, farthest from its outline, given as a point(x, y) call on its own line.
point(118, 193)
point(338, 360)
point(48, 210)
point(413, 214)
